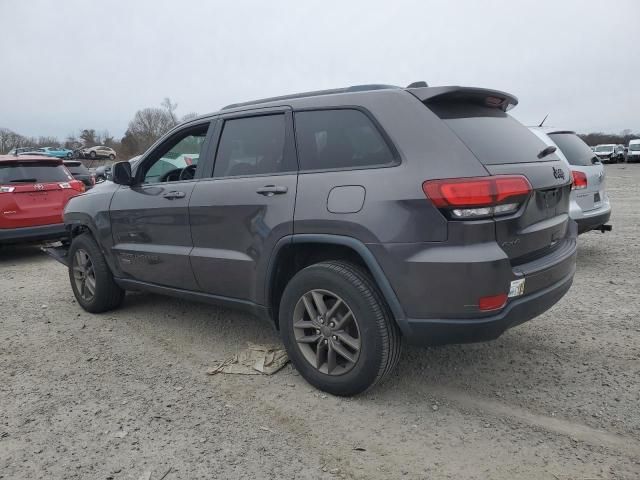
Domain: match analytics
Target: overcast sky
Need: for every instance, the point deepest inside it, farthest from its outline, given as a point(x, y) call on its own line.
point(74, 64)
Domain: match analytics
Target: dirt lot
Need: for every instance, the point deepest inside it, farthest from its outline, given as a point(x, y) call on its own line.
point(123, 394)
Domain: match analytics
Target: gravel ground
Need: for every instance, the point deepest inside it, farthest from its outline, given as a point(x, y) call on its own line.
point(125, 395)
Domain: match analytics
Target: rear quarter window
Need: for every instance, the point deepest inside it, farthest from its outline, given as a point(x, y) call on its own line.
point(77, 169)
point(32, 172)
point(492, 135)
point(340, 138)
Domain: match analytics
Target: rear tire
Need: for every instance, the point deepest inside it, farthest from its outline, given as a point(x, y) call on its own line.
point(91, 280)
point(92, 154)
point(348, 356)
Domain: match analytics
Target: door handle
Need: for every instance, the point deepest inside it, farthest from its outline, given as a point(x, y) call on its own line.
point(172, 195)
point(271, 190)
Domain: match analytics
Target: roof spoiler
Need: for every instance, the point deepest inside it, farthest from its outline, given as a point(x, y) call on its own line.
point(482, 96)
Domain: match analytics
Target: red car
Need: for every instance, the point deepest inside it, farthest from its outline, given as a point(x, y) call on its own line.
point(33, 193)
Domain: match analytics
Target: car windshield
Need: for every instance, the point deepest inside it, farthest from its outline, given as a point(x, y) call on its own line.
point(634, 146)
point(576, 151)
point(32, 172)
point(604, 148)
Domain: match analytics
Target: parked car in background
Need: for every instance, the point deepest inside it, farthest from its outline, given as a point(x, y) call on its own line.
point(20, 150)
point(57, 152)
point(424, 213)
point(80, 172)
point(609, 153)
point(589, 205)
point(633, 153)
point(99, 151)
point(33, 193)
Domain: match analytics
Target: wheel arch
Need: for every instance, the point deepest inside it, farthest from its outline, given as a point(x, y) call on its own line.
point(294, 252)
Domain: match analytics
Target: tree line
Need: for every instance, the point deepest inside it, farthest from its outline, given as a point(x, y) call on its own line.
point(146, 126)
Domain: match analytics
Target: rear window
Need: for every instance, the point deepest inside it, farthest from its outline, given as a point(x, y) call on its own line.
point(576, 151)
point(345, 138)
point(77, 168)
point(31, 172)
point(493, 136)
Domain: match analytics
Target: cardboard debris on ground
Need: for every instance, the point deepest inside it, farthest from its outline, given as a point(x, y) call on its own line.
point(254, 360)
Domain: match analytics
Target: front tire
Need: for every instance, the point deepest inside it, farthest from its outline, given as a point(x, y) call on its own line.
point(112, 157)
point(337, 328)
point(91, 280)
point(92, 154)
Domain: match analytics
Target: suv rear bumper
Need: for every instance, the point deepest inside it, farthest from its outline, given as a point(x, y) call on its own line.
point(447, 331)
point(33, 234)
point(439, 287)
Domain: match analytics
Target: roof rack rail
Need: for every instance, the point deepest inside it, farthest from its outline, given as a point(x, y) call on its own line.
point(316, 93)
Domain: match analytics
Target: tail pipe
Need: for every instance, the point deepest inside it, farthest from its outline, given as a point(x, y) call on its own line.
point(605, 228)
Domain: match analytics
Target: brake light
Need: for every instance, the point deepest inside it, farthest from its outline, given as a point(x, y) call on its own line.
point(74, 184)
point(479, 196)
point(493, 302)
point(7, 189)
point(93, 179)
point(579, 180)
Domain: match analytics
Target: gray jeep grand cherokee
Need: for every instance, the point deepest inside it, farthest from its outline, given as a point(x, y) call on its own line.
point(350, 219)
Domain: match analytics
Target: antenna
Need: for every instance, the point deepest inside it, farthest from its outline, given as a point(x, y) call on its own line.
point(545, 117)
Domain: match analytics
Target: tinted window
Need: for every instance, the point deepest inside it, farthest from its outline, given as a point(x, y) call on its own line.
point(32, 172)
point(76, 168)
point(493, 136)
point(339, 139)
point(576, 151)
point(252, 146)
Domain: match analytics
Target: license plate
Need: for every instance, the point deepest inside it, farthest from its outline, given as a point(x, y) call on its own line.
point(517, 288)
point(596, 197)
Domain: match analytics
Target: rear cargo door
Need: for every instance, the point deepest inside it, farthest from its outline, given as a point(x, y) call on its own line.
point(32, 195)
point(506, 147)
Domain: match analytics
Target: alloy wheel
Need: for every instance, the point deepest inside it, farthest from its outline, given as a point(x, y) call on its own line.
point(326, 332)
point(84, 275)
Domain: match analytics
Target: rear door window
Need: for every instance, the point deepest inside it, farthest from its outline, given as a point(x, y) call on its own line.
point(32, 172)
point(492, 135)
point(341, 138)
point(576, 151)
point(253, 146)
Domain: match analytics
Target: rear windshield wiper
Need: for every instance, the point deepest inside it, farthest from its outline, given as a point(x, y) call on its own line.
point(23, 180)
point(547, 151)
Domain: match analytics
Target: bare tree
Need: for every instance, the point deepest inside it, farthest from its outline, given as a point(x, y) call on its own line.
point(189, 116)
point(150, 124)
point(171, 109)
point(88, 137)
point(10, 140)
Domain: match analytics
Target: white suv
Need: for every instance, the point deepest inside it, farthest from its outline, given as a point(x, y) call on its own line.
point(589, 206)
point(633, 155)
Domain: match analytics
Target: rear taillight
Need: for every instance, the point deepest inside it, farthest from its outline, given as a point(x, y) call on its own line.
point(7, 189)
point(494, 302)
point(93, 179)
point(579, 180)
point(74, 184)
point(478, 197)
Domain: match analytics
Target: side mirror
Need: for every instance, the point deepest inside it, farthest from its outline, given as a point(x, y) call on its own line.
point(121, 173)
